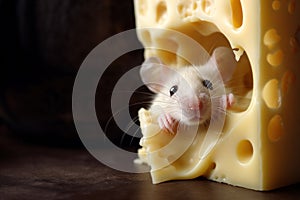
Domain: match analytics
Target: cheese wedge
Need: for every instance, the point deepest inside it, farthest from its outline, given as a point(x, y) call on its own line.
point(259, 147)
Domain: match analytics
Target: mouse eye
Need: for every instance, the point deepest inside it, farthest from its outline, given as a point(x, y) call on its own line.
point(207, 84)
point(173, 90)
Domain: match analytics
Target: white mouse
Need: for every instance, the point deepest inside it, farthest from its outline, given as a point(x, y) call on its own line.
point(185, 95)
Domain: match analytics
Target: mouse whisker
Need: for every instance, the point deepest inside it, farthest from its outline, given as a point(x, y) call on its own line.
point(166, 95)
point(119, 111)
point(134, 136)
point(130, 125)
point(140, 103)
point(137, 92)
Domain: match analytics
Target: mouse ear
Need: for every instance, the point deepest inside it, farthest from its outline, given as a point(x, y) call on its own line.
point(224, 59)
point(154, 74)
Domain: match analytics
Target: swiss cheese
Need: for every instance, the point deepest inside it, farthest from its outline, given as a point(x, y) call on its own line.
point(260, 144)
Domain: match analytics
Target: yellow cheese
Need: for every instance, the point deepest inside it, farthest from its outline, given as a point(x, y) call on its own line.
point(260, 143)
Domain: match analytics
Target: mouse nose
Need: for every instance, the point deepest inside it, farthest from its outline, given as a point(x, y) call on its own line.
point(195, 106)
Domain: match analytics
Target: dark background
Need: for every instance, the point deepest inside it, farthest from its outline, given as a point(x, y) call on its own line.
point(43, 43)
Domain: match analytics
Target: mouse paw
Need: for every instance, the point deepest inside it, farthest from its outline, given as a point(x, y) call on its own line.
point(230, 100)
point(168, 123)
point(227, 100)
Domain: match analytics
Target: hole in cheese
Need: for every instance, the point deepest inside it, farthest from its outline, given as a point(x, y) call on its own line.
point(288, 79)
point(142, 7)
point(161, 12)
point(275, 128)
point(195, 6)
point(293, 44)
point(275, 59)
point(237, 13)
point(180, 9)
point(186, 8)
point(207, 7)
point(244, 151)
point(276, 5)
point(291, 7)
point(241, 83)
point(213, 166)
point(271, 94)
point(271, 38)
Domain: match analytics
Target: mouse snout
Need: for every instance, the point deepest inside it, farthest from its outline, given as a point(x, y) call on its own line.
point(191, 104)
point(192, 108)
point(195, 108)
point(195, 105)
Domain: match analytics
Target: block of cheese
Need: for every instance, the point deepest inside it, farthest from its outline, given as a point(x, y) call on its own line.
point(260, 143)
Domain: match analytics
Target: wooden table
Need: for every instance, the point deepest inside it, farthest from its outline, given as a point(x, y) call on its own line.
point(39, 172)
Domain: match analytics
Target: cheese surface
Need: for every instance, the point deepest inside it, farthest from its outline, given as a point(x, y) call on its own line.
point(260, 143)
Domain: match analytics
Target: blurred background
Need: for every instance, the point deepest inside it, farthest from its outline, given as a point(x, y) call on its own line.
point(43, 43)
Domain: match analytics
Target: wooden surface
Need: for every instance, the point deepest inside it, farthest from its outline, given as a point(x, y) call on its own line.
point(39, 172)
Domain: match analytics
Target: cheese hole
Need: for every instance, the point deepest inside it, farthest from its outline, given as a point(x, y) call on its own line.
point(288, 79)
point(237, 13)
point(207, 7)
point(142, 7)
point(185, 8)
point(161, 12)
point(276, 5)
point(210, 170)
point(241, 84)
point(271, 94)
point(244, 151)
point(275, 128)
point(293, 44)
point(292, 6)
point(275, 59)
point(213, 166)
point(180, 9)
point(271, 38)
point(195, 6)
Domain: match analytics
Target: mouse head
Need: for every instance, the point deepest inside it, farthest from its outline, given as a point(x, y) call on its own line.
point(188, 92)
